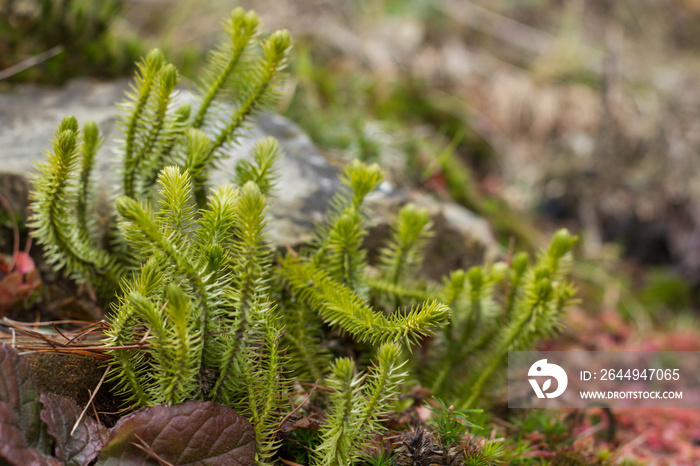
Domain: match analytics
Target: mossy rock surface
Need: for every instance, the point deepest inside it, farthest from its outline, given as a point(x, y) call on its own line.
point(74, 376)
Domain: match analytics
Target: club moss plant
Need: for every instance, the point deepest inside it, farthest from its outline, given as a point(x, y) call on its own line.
point(203, 309)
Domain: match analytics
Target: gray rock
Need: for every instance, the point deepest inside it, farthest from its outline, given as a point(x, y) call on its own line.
point(29, 115)
point(461, 238)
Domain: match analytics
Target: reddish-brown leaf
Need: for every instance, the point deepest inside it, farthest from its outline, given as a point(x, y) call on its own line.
point(19, 415)
point(195, 432)
point(13, 445)
point(60, 415)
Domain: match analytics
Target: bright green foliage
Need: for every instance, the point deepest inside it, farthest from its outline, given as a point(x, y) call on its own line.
point(88, 150)
point(341, 428)
point(242, 29)
point(357, 406)
point(251, 305)
point(494, 309)
point(543, 295)
point(451, 424)
point(204, 312)
point(157, 131)
point(486, 326)
point(491, 455)
point(66, 238)
point(259, 86)
point(144, 117)
point(334, 283)
point(338, 240)
point(204, 298)
point(382, 457)
point(403, 256)
point(194, 318)
point(304, 337)
point(262, 169)
point(177, 344)
point(266, 391)
point(340, 307)
point(475, 319)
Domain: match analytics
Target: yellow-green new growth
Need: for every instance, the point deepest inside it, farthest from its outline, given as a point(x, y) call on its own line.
point(259, 87)
point(341, 308)
point(156, 133)
point(195, 321)
point(59, 187)
point(403, 256)
point(211, 332)
point(358, 404)
point(537, 311)
point(204, 311)
point(223, 69)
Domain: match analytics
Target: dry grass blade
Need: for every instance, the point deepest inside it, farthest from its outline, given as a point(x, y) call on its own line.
point(289, 463)
point(149, 451)
point(85, 340)
point(298, 407)
point(92, 397)
point(30, 62)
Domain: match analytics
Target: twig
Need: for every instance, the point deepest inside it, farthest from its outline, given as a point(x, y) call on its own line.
point(145, 336)
point(538, 453)
point(38, 335)
point(11, 322)
point(149, 451)
point(59, 332)
point(31, 61)
point(511, 250)
point(87, 330)
point(88, 289)
point(290, 463)
point(92, 397)
point(64, 349)
point(72, 351)
point(316, 387)
point(505, 424)
point(69, 346)
point(123, 410)
point(594, 429)
point(298, 407)
point(28, 244)
point(291, 251)
point(94, 409)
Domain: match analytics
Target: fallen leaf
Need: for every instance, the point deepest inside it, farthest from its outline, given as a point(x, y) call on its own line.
point(195, 432)
point(13, 447)
point(19, 416)
point(60, 414)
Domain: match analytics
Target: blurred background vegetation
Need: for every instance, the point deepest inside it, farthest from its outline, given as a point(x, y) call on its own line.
point(50, 41)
